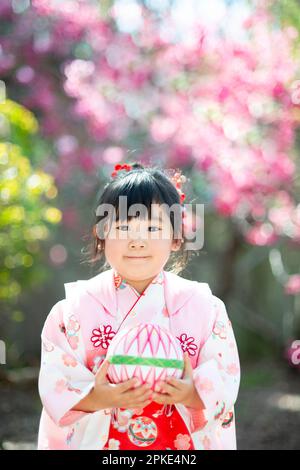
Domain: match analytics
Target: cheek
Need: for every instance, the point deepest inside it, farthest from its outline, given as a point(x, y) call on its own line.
point(161, 246)
point(114, 248)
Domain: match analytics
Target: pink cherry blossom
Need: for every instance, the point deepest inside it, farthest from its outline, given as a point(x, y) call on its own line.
point(232, 369)
point(292, 286)
point(182, 442)
point(204, 384)
point(229, 109)
point(61, 385)
point(69, 360)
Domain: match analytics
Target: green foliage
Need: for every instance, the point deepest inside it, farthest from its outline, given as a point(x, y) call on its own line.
point(288, 11)
point(27, 213)
point(258, 377)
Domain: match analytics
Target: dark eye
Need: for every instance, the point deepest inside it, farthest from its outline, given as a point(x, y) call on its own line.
point(122, 226)
point(152, 226)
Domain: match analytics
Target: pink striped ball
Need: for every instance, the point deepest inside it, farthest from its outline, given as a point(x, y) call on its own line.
point(143, 343)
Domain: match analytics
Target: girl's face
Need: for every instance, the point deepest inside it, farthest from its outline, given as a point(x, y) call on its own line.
point(139, 248)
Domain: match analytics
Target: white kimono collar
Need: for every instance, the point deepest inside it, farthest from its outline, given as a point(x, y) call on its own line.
point(101, 287)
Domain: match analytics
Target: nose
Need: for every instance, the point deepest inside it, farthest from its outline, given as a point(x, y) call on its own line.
point(139, 243)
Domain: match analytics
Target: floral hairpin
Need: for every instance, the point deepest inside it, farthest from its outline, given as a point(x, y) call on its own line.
point(119, 167)
point(178, 179)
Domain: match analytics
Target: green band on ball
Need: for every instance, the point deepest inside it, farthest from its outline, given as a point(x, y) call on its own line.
point(146, 361)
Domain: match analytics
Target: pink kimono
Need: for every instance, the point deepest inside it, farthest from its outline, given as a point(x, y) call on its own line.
point(75, 338)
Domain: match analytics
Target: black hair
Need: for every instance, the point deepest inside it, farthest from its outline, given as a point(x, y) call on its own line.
point(141, 185)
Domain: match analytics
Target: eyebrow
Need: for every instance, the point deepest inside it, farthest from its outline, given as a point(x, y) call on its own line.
point(154, 218)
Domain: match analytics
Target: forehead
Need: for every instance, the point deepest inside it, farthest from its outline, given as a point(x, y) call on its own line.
point(155, 213)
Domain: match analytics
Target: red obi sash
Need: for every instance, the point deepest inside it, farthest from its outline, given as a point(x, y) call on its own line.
point(156, 427)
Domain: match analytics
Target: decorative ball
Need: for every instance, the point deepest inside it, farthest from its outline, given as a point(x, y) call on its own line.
point(146, 351)
point(142, 431)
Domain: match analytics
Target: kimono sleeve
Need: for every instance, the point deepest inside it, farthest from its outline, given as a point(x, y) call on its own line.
point(64, 380)
point(217, 372)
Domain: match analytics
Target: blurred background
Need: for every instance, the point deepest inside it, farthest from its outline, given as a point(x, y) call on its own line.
point(212, 88)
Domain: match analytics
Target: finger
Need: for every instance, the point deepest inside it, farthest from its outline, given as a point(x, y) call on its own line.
point(102, 371)
point(142, 392)
point(188, 368)
point(176, 383)
point(167, 388)
point(130, 402)
point(159, 385)
point(127, 385)
point(140, 404)
point(162, 399)
point(137, 391)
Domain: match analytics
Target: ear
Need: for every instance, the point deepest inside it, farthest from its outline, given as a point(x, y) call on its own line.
point(176, 245)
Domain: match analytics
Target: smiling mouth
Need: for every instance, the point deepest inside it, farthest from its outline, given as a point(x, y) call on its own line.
point(137, 257)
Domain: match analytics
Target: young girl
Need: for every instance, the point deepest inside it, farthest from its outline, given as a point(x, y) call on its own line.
point(81, 408)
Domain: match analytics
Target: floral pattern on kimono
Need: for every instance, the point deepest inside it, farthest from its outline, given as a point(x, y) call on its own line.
point(70, 359)
point(156, 426)
point(217, 376)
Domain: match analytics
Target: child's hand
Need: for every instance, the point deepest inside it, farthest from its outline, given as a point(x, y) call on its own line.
point(180, 390)
point(122, 395)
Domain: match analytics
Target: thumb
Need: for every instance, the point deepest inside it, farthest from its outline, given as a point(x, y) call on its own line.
point(102, 371)
point(188, 368)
